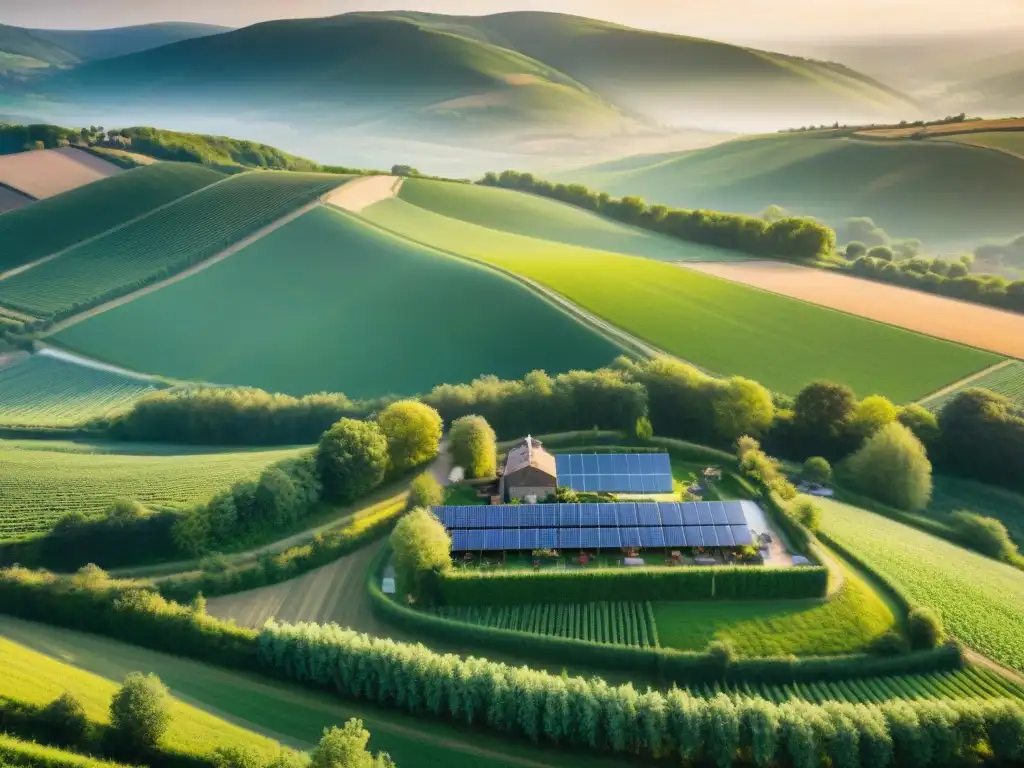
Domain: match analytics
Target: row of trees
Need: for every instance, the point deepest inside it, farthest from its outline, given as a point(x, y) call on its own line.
point(591, 714)
point(788, 238)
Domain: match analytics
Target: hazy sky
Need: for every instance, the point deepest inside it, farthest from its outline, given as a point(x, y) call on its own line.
point(721, 18)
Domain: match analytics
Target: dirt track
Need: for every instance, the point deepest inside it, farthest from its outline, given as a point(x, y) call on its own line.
point(363, 192)
point(972, 324)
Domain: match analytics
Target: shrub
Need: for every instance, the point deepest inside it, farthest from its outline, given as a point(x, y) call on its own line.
point(425, 491)
point(473, 446)
point(413, 431)
point(63, 721)
point(871, 414)
point(644, 430)
point(139, 712)
point(924, 628)
point(921, 422)
point(892, 467)
point(807, 513)
point(742, 407)
point(817, 470)
point(422, 549)
point(987, 535)
point(346, 748)
point(855, 250)
point(352, 459)
point(890, 643)
point(882, 252)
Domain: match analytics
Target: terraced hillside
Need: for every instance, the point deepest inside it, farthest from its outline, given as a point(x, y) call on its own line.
point(163, 243)
point(378, 315)
point(721, 326)
point(44, 390)
point(938, 191)
point(545, 219)
point(981, 600)
point(52, 225)
point(41, 481)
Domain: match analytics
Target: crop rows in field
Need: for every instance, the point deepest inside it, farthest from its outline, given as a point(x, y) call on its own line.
point(165, 242)
point(617, 623)
point(46, 391)
point(981, 600)
point(41, 481)
point(974, 683)
point(59, 222)
point(1007, 380)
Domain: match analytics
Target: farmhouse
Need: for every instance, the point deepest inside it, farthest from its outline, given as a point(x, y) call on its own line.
point(529, 472)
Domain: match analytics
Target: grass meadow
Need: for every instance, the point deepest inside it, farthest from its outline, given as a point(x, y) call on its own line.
point(721, 326)
point(41, 481)
point(329, 303)
point(981, 600)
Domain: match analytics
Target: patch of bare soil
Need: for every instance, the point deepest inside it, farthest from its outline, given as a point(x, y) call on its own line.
point(48, 172)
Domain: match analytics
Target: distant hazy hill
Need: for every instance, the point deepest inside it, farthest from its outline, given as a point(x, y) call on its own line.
point(995, 83)
point(65, 47)
point(939, 191)
point(534, 73)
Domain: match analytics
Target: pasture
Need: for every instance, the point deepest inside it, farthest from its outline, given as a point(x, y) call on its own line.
point(37, 671)
point(981, 600)
point(340, 306)
point(15, 752)
point(29, 233)
point(222, 703)
point(45, 173)
point(534, 216)
point(163, 243)
point(1007, 380)
point(44, 390)
point(718, 325)
point(41, 481)
point(975, 325)
point(1011, 142)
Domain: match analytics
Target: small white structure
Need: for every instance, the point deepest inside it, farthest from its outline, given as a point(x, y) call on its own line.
point(800, 560)
point(634, 561)
point(387, 584)
point(457, 475)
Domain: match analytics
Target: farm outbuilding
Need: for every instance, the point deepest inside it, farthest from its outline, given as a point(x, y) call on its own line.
point(529, 471)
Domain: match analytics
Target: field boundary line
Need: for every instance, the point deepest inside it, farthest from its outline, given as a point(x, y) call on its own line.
point(231, 250)
point(15, 314)
point(389, 186)
point(965, 381)
point(57, 254)
point(984, 661)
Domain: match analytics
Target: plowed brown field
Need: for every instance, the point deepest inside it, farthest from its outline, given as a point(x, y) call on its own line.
point(972, 324)
point(48, 172)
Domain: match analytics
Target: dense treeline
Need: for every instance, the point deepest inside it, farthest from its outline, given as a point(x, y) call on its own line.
point(591, 714)
point(22, 138)
point(207, 150)
point(788, 238)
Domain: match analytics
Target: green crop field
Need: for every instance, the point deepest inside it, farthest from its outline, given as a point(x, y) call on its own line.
point(534, 216)
point(163, 243)
point(353, 309)
point(42, 390)
point(52, 225)
point(1008, 381)
point(981, 600)
point(847, 622)
point(38, 673)
point(617, 623)
point(1006, 141)
point(721, 326)
point(953, 493)
point(293, 715)
point(41, 481)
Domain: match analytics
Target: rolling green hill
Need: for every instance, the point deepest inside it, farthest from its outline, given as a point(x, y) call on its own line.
point(21, 42)
point(89, 44)
point(938, 191)
point(329, 303)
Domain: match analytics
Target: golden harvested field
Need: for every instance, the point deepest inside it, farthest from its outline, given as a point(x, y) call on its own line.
point(971, 324)
point(48, 172)
point(972, 126)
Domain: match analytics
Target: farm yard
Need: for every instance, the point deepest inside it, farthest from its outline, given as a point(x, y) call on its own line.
point(28, 234)
point(981, 600)
point(162, 243)
point(328, 269)
point(718, 325)
point(41, 481)
point(1006, 380)
point(44, 390)
point(49, 172)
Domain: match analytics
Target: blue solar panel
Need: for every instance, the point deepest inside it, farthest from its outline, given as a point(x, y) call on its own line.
point(662, 463)
point(563, 464)
point(548, 515)
point(671, 514)
point(674, 536)
point(460, 541)
point(492, 539)
point(610, 538)
point(718, 516)
point(569, 538)
point(605, 464)
point(636, 484)
point(665, 483)
point(693, 536)
point(510, 538)
point(493, 518)
point(647, 513)
point(630, 537)
point(529, 538)
point(590, 538)
point(477, 540)
point(724, 534)
point(734, 513)
point(606, 515)
point(690, 514)
point(704, 514)
point(568, 515)
point(620, 465)
point(625, 514)
point(576, 464)
point(709, 535)
point(446, 515)
point(652, 537)
point(741, 535)
point(529, 516)
point(590, 466)
point(589, 515)
point(548, 538)
point(633, 462)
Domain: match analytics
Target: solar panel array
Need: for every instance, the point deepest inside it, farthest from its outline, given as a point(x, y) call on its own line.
point(597, 526)
point(615, 472)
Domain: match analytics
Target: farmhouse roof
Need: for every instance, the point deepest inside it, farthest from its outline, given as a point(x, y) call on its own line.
point(530, 453)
